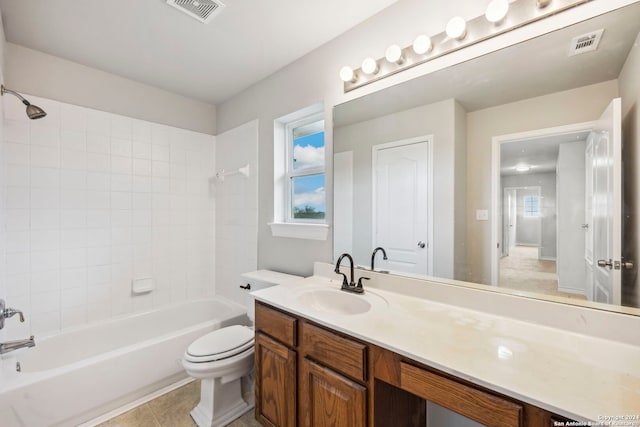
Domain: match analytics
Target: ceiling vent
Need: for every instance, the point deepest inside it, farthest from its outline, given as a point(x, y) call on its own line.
point(585, 43)
point(202, 10)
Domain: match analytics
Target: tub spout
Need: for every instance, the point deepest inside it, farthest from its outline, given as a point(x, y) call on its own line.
point(8, 346)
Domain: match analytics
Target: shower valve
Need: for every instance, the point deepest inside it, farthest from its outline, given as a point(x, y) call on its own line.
point(6, 313)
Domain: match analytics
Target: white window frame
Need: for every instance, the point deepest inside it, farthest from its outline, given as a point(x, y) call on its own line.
point(282, 226)
point(291, 173)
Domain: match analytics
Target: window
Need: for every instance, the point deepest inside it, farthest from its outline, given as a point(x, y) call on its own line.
point(306, 201)
point(532, 206)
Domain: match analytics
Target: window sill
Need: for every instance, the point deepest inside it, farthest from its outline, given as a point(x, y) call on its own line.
point(299, 230)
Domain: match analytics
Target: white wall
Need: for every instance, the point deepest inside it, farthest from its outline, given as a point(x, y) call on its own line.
point(439, 120)
point(95, 200)
point(34, 72)
point(3, 239)
point(236, 210)
point(571, 216)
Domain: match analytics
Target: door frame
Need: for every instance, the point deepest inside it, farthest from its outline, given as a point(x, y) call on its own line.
point(496, 216)
point(428, 140)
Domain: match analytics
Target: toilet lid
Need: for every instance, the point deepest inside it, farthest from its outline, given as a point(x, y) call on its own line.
point(221, 343)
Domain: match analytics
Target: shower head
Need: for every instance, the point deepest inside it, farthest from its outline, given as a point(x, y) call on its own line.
point(33, 111)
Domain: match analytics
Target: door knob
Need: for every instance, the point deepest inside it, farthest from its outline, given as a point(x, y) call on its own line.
point(585, 226)
point(421, 244)
point(604, 263)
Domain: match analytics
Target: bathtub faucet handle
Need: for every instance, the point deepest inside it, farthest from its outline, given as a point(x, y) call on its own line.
point(10, 312)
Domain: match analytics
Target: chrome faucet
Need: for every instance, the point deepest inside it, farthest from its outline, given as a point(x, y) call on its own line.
point(8, 346)
point(373, 255)
point(6, 313)
point(349, 286)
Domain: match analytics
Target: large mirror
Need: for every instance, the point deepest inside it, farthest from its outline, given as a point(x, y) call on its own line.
point(504, 170)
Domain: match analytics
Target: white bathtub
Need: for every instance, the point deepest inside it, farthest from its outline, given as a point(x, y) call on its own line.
point(77, 375)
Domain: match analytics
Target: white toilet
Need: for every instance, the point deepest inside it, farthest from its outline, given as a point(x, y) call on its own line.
point(223, 361)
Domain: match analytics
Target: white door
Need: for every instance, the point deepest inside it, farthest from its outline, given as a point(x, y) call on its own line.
point(587, 225)
point(607, 204)
point(509, 220)
point(400, 203)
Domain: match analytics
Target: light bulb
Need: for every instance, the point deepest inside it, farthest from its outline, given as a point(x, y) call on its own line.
point(394, 54)
point(522, 167)
point(457, 28)
point(369, 66)
point(422, 44)
point(497, 10)
point(347, 74)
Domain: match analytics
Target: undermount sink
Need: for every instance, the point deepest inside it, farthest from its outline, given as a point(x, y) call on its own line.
point(334, 301)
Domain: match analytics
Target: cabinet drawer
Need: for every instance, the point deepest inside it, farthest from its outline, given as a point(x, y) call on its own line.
point(341, 354)
point(276, 324)
point(480, 406)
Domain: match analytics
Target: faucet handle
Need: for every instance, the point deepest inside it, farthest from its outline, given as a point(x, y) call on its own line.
point(10, 312)
point(360, 281)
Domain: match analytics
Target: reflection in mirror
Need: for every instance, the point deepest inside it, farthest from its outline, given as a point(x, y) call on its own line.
point(503, 170)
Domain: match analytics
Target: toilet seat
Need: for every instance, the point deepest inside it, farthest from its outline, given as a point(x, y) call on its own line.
point(220, 344)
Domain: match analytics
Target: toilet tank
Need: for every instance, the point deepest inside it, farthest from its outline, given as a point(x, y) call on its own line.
point(261, 279)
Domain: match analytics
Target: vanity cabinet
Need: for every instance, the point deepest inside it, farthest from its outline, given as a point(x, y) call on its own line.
point(309, 375)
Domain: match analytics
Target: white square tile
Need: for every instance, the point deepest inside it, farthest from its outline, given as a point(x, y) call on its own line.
point(121, 147)
point(121, 183)
point(42, 261)
point(45, 281)
point(16, 131)
point(98, 143)
point(121, 127)
point(17, 219)
point(121, 275)
point(98, 122)
point(160, 218)
point(142, 218)
point(73, 238)
point(17, 176)
point(121, 218)
point(142, 184)
point(160, 153)
point(73, 140)
point(178, 170)
point(99, 200)
point(160, 169)
point(16, 154)
point(45, 323)
point(73, 179)
point(98, 181)
point(45, 240)
point(99, 312)
point(121, 165)
point(98, 218)
point(98, 237)
point(98, 274)
point(17, 263)
point(13, 110)
point(98, 294)
point(98, 162)
point(45, 219)
point(178, 186)
point(159, 134)
point(141, 150)
point(73, 199)
point(121, 236)
point(73, 117)
point(141, 131)
point(73, 218)
point(73, 277)
point(45, 136)
point(99, 256)
point(122, 254)
point(42, 302)
point(142, 201)
point(120, 201)
point(73, 317)
point(73, 297)
point(71, 159)
point(45, 198)
point(178, 154)
point(141, 236)
point(142, 167)
point(45, 177)
point(161, 185)
point(73, 258)
point(17, 241)
point(18, 286)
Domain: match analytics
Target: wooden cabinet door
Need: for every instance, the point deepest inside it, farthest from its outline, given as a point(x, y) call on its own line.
point(275, 383)
point(328, 399)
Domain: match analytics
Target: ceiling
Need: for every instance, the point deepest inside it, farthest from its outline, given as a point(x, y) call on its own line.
point(154, 43)
point(533, 68)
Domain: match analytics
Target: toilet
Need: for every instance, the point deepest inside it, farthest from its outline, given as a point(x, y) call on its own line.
point(223, 361)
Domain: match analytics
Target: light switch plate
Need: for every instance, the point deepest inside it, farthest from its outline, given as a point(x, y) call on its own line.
point(482, 215)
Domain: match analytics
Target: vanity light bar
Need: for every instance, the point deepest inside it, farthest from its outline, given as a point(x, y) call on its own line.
point(461, 34)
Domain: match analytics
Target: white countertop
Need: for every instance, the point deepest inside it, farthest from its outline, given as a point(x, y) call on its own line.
point(577, 376)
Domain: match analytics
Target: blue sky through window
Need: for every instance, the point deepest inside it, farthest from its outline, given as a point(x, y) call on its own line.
point(308, 152)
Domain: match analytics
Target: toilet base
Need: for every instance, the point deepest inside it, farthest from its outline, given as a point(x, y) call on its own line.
point(221, 403)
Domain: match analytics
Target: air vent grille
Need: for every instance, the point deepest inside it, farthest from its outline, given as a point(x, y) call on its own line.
point(585, 43)
point(202, 10)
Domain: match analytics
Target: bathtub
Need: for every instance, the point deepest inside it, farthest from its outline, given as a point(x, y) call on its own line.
point(80, 374)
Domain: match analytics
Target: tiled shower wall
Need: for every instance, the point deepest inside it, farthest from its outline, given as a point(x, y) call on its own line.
point(94, 200)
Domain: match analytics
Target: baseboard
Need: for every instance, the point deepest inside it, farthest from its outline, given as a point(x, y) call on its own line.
point(547, 258)
point(571, 290)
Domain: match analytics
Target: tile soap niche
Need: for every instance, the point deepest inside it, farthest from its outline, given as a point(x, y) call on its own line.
point(143, 285)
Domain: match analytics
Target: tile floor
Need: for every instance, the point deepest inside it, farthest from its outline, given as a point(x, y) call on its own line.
point(171, 410)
